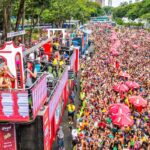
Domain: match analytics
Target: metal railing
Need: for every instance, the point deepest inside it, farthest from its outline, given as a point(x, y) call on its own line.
point(56, 85)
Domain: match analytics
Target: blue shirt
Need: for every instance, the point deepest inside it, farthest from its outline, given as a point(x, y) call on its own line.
point(66, 56)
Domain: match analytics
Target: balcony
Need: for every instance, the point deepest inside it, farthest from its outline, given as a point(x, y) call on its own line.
point(23, 105)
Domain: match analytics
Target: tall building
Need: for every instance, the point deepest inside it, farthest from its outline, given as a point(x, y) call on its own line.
point(130, 1)
point(109, 2)
point(99, 1)
point(103, 3)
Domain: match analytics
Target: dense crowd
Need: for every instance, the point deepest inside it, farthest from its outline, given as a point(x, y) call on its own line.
point(117, 51)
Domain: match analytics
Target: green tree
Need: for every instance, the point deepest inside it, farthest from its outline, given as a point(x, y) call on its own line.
point(123, 3)
point(6, 15)
point(132, 11)
point(60, 11)
point(108, 10)
point(121, 11)
point(34, 10)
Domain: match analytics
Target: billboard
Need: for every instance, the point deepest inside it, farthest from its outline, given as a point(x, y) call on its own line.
point(7, 137)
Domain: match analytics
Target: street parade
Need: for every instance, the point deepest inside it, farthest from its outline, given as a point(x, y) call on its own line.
point(75, 75)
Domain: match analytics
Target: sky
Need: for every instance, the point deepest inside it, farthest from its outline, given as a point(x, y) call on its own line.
point(116, 3)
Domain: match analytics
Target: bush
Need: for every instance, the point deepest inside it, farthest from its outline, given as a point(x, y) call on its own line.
point(119, 21)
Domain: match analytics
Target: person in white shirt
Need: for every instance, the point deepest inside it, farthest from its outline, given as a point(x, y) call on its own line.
point(74, 136)
point(60, 139)
point(31, 57)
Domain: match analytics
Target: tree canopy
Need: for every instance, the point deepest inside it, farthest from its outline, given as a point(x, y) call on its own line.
point(59, 11)
point(133, 11)
point(13, 13)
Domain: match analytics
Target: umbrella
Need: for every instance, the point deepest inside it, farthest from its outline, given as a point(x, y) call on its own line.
point(120, 88)
point(124, 74)
point(113, 48)
point(135, 46)
point(138, 101)
point(122, 120)
point(132, 85)
point(118, 109)
point(115, 53)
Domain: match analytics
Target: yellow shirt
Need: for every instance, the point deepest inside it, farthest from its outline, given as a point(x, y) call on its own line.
point(143, 139)
point(82, 95)
point(127, 101)
point(104, 110)
point(71, 107)
point(61, 63)
point(55, 62)
point(56, 44)
point(127, 128)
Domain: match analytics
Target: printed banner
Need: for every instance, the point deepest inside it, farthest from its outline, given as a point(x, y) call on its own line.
point(72, 60)
point(39, 95)
point(12, 34)
point(7, 137)
point(77, 60)
point(57, 94)
point(14, 106)
point(46, 130)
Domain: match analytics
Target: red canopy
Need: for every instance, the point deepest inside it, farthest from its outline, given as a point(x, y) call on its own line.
point(132, 84)
point(118, 109)
point(122, 120)
point(138, 101)
point(120, 88)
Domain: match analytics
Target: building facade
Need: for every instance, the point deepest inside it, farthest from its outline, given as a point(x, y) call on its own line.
point(109, 2)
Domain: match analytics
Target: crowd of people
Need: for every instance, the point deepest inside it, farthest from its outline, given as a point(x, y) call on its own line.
point(99, 74)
